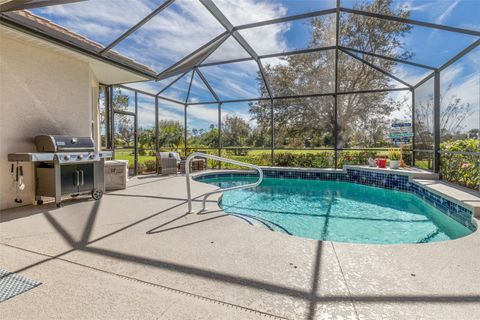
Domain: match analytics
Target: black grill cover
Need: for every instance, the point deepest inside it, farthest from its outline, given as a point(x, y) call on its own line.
point(55, 143)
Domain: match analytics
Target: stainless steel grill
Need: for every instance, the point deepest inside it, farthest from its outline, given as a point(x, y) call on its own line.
point(65, 165)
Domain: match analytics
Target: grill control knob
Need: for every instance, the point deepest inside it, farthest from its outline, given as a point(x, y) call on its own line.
point(66, 157)
point(80, 157)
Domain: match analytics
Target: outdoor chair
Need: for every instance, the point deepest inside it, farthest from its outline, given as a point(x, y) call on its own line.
point(205, 164)
point(167, 162)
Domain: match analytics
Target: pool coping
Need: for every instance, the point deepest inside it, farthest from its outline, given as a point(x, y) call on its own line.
point(454, 201)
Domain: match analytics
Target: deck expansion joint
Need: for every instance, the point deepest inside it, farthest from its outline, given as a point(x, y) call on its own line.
point(345, 281)
point(152, 284)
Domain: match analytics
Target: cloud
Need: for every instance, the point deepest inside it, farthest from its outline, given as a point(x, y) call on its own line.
point(201, 112)
point(413, 6)
point(464, 79)
point(447, 12)
point(147, 86)
point(234, 81)
point(176, 32)
point(248, 11)
point(229, 50)
point(236, 113)
point(268, 39)
point(98, 20)
point(171, 35)
point(238, 110)
point(411, 75)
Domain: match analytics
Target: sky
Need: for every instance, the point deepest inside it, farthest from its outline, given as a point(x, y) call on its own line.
point(186, 25)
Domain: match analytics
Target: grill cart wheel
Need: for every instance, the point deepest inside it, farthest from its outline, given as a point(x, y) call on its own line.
point(97, 194)
point(39, 202)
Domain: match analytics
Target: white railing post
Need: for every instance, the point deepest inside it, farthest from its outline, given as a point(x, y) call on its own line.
point(210, 156)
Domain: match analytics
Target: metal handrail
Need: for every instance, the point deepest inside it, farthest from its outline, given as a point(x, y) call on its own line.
point(211, 156)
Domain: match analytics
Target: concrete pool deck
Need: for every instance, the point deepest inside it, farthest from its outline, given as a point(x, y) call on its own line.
point(136, 254)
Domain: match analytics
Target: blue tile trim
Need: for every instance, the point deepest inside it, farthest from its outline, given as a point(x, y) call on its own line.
point(391, 181)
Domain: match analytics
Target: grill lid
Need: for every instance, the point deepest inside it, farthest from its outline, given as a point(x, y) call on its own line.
point(55, 143)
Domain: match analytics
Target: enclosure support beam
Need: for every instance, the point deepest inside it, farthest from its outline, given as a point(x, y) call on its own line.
point(156, 125)
point(286, 19)
point(430, 76)
point(207, 84)
point(273, 55)
point(450, 62)
point(111, 124)
point(272, 131)
point(150, 94)
point(220, 134)
point(195, 58)
point(376, 55)
point(170, 100)
point(135, 136)
point(371, 65)
point(185, 129)
point(335, 125)
point(186, 108)
point(137, 26)
point(410, 21)
point(436, 123)
point(413, 125)
point(218, 14)
point(311, 50)
point(460, 55)
point(301, 96)
point(190, 87)
point(171, 83)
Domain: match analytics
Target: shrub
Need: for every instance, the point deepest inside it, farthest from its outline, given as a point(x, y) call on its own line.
point(150, 165)
point(140, 168)
point(459, 168)
point(394, 154)
point(320, 159)
point(382, 154)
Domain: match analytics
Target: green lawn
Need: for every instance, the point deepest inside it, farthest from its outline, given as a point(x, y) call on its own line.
point(127, 154)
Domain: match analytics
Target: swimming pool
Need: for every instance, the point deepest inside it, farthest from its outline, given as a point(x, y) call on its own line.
point(337, 211)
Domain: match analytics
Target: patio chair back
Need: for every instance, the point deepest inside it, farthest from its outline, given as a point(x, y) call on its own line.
point(166, 163)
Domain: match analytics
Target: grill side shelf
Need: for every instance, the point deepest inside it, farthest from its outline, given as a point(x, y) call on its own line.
point(30, 157)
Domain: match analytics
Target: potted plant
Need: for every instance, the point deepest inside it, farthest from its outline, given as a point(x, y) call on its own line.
point(381, 159)
point(394, 155)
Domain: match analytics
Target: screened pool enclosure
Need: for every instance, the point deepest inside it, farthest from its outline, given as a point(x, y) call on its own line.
point(286, 83)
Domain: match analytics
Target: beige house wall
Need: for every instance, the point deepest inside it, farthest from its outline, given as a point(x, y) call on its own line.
point(41, 92)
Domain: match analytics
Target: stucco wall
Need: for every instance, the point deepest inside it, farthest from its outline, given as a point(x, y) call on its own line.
point(41, 92)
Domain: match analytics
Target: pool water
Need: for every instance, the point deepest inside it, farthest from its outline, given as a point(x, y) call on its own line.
point(338, 211)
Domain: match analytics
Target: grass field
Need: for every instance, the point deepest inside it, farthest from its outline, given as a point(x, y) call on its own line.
point(127, 154)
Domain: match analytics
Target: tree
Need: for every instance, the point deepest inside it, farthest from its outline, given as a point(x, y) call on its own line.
point(146, 138)
point(170, 134)
point(310, 121)
point(235, 131)
point(210, 138)
point(124, 128)
point(453, 113)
